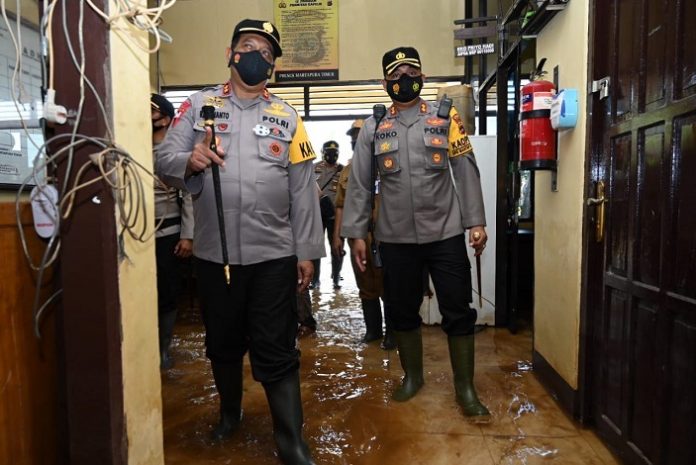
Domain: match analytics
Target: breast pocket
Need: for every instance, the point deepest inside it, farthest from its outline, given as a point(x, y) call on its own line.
point(222, 132)
point(274, 144)
point(435, 151)
point(386, 154)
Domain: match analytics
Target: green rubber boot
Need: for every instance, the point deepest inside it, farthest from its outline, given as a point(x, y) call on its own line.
point(461, 350)
point(410, 346)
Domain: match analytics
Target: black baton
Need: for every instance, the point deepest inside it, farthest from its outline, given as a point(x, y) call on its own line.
point(209, 121)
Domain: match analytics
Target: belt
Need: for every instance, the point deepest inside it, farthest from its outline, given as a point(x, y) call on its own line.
point(168, 222)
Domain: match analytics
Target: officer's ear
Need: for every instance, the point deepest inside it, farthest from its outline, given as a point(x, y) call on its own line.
point(228, 55)
point(384, 84)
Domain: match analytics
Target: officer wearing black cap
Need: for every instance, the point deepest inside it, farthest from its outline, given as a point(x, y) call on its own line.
point(430, 194)
point(273, 230)
point(327, 173)
point(174, 237)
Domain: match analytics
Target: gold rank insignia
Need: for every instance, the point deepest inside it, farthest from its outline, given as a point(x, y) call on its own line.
point(214, 101)
point(388, 163)
point(436, 121)
point(437, 158)
point(385, 146)
point(276, 109)
point(268, 27)
point(424, 108)
point(400, 56)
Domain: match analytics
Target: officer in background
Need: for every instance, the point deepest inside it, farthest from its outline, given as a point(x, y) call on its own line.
point(173, 239)
point(273, 230)
point(327, 172)
point(430, 194)
point(369, 281)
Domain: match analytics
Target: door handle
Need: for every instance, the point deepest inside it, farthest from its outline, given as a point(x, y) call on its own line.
point(598, 202)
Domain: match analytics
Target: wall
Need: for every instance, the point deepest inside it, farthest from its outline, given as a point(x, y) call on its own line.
point(202, 29)
point(30, 429)
point(559, 215)
point(137, 274)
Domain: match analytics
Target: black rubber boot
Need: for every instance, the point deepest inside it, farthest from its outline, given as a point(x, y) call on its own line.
point(410, 346)
point(389, 341)
point(166, 328)
point(228, 380)
point(286, 410)
point(372, 312)
point(461, 350)
point(314, 284)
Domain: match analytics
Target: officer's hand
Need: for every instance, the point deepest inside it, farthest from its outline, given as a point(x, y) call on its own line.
point(359, 249)
point(478, 239)
point(202, 157)
point(337, 247)
point(184, 248)
point(305, 271)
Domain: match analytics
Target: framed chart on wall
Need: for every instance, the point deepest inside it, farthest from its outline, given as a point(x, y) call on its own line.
point(20, 100)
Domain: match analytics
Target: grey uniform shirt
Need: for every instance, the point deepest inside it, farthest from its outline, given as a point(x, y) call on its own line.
point(168, 205)
point(268, 190)
point(418, 201)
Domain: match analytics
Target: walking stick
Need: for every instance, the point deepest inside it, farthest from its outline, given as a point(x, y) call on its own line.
point(477, 236)
point(209, 121)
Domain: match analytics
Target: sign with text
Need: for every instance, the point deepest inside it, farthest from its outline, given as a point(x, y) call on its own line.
point(476, 49)
point(309, 36)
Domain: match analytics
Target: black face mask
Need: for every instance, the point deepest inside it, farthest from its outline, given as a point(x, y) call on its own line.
point(251, 66)
point(156, 128)
point(352, 144)
point(405, 88)
point(331, 157)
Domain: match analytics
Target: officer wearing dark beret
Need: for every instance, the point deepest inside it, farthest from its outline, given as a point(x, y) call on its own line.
point(327, 173)
point(272, 230)
point(430, 194)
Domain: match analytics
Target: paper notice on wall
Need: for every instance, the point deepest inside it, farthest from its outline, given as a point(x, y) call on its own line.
point(309, 37)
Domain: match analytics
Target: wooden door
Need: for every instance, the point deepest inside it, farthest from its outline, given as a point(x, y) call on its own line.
point(640, 280)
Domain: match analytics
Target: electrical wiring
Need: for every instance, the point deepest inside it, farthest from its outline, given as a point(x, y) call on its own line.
point(124, 176)
point(140, 16)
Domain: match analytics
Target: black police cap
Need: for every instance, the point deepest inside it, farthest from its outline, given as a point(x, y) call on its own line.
point(263, 28)
point(400, 56)
point(329, 145)
point(161, 104)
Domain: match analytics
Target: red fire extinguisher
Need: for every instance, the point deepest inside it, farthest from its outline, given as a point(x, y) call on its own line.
point(537, 137)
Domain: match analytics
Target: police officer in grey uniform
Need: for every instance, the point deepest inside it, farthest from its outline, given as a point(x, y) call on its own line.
point(273, 230)
point(327, 173)
point(174, 237)
point(430, 195)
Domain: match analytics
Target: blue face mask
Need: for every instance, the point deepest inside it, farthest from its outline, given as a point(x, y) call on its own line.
point(251, 66)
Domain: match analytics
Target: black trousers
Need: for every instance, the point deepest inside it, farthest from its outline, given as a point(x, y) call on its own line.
point(257, 312)
point(169, 276)
point(336, 260)
point(450, 270)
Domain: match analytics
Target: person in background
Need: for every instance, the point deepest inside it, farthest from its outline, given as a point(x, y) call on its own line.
point(173, 239)
point(369, 281)
point(272, 231)
point(327, 172)
point(430, 194)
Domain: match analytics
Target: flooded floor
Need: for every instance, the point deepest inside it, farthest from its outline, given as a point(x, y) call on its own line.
point(349, 417)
